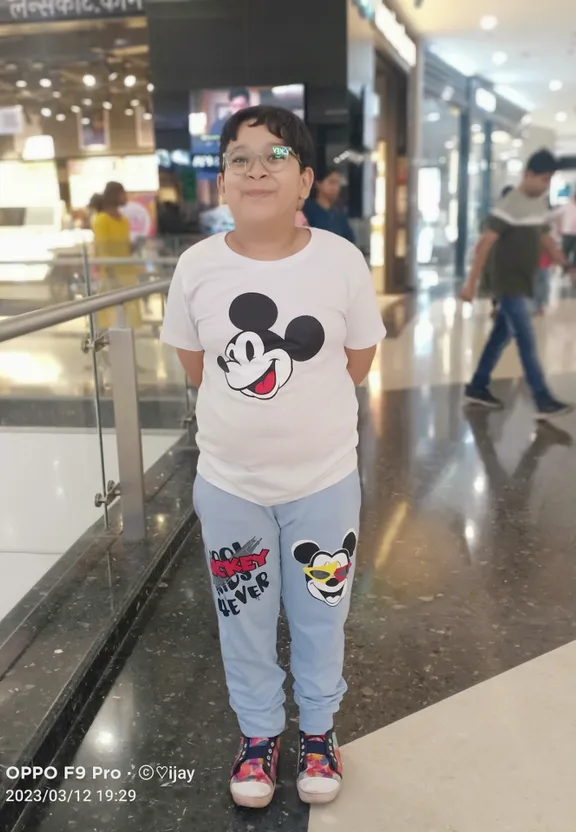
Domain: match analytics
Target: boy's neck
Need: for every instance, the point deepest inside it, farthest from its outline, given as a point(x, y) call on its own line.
point(324, 203)
point(265, 243)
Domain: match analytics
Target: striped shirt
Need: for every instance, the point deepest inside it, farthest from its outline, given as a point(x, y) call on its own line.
point(520, 221)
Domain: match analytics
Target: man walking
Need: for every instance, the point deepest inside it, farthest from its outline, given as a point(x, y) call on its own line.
point(516, 231)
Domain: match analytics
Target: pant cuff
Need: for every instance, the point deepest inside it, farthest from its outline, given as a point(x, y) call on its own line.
point(316, 723)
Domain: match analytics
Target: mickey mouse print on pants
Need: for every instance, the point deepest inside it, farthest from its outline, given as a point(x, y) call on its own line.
point(258, 362)
point(326, 573)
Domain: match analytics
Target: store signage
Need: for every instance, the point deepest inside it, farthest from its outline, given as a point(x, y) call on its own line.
point(395, 33)
point(30, 10)
point(485, 100)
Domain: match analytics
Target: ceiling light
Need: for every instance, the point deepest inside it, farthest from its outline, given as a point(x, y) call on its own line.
point(476, 128)
point(11, 67)
point(130, 81)
point(45, 82)
point(449, 145)
point(89, 80)
point(75, 108)
point(21, 84)
point(85, 122)
point(56, 94)
point(134, 103)
point(147, 116)
point(107, 105)
point(433, 117)
point(150, 87)
point(46, 112)
point(86, 102)
point(448, 93)
point(60, 117)
point(561, 116)
point(499, 58)
point(555, 86)
point(113, 76)
point(488, 22)
point(129, 111)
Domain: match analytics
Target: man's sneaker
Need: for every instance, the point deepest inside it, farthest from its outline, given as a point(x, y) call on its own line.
point(253, 778)
point(550, 408)
point(483, 398)
point(320, 769)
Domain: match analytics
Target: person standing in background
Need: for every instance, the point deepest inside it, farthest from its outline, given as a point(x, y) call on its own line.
point(322, 210)
point(111, 241)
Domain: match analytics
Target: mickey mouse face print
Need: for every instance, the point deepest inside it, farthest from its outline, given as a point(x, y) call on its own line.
point(257, 361)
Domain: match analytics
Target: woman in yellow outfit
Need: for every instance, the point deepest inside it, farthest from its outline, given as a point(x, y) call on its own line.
point(111, 240)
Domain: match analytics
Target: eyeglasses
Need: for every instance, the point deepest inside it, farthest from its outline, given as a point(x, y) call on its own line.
point(274, 159)
point(325, 573)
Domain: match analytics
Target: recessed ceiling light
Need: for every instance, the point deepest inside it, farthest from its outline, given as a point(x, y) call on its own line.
point(46, 112)
point(129, 111)
point(75, 108)
point(150, 87)
point(107, 105)
point(130, 81)
point(56, 94)
point(85, 121)
point(476, 128)
point(113, 76)
point(449, 145)
point(89, 80)
point(147, 116)
point(561, 116)
point(499, 58)
point(555, 86)
point(488, 22)
point(45, 82)
point(86, 102)
point(60, 117)
point(433, 117)
point(21, 84)
point(134, 103)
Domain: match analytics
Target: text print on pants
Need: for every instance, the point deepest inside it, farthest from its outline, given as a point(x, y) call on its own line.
point(230, 566)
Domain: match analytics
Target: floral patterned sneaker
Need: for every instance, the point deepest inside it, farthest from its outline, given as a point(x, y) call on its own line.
point(320, 769)
point(253, 777)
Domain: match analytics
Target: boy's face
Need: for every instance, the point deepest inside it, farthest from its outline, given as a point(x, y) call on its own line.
point(259, 195)
point(537, 184)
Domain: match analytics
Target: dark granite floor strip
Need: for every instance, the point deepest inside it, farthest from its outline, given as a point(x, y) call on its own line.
point(465, 570)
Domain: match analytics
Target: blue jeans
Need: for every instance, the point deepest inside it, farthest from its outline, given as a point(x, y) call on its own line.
point(302, 553)
point(513, 321)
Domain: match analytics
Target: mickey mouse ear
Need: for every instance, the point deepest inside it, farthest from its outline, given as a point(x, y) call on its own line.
point(304, 338)
point(253, 312)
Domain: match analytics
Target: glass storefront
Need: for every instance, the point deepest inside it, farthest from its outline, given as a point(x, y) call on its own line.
point(438, 188)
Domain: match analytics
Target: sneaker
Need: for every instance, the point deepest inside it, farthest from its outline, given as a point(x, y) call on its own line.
point(482, 397)
point(253, 778)
point(552, 409)
point(320, 769)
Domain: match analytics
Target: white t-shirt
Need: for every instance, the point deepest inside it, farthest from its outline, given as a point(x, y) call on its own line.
point(277, 409)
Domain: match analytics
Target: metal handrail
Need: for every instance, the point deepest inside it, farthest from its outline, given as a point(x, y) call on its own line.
point(61, 313)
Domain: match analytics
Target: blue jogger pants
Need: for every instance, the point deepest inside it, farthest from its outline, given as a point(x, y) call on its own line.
point(302, 553)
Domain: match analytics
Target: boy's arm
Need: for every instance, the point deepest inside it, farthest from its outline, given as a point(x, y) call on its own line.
point(483, 249)
point(553, 249)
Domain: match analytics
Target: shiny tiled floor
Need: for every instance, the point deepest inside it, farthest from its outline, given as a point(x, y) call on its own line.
point(465, 572)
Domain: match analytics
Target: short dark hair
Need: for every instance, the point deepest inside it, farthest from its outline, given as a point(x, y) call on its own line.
point(327, 171)
point(280, 122)
point(543, 161)
point(239, 92)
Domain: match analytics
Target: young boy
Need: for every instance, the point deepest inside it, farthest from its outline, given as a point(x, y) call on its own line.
point(516, 232)
point(276, 325)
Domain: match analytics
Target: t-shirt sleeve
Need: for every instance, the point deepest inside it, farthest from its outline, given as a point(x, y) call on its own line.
point(179, 329)
point(364, 326)
point(496, 223)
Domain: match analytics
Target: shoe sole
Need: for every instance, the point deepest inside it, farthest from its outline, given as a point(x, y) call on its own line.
point(482, 403)
point(549, 417)
point(318, 798)
point(251, 802)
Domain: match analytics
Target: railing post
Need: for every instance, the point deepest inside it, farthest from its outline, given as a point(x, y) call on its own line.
point(128, 435)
